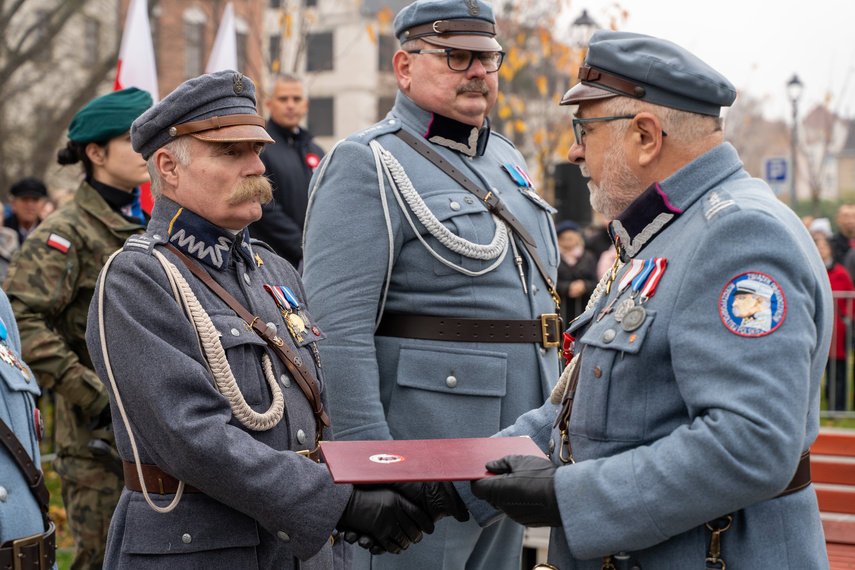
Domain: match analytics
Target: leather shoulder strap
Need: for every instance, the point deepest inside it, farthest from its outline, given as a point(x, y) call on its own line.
point(294, 364)
point(494, 204)
point(34, 476)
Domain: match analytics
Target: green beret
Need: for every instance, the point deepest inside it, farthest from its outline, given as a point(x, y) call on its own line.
point(108, 116)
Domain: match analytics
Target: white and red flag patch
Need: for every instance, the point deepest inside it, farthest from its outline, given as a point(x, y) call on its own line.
point(56, 241)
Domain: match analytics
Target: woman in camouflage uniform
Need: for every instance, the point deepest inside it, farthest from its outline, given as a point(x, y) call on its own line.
point(50, 284)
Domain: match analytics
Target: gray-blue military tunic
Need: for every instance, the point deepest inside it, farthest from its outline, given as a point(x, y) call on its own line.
point(260, 505)
point(692, 416)
point(369, 254)
point(20, 514)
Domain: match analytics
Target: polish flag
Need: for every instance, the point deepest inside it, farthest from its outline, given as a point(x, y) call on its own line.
point(137, 67)
point(136, 55)
point(224, 53)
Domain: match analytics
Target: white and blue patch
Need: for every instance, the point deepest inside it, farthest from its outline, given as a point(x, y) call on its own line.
point(752, 304)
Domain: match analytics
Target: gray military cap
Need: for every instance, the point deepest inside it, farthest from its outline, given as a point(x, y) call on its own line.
point(217, 107)
point(649, 69)
point(464, 24)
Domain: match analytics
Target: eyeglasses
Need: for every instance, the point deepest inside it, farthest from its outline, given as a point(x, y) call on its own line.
point(461, 59)
point(580, 132)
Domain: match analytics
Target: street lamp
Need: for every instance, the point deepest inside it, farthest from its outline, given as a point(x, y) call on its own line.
point(794, 91)
point(582, 29)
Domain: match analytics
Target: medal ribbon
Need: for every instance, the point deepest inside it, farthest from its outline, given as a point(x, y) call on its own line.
point(279, 297)
point(640, 279)
point(634, 269)
point(650, 287)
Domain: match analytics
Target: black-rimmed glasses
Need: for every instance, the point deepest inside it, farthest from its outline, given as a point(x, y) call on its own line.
point(461, 59)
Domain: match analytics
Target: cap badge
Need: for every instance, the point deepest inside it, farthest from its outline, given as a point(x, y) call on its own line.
point(474, 9)
point(238, 83)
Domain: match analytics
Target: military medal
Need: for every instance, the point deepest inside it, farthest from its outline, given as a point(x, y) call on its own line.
point(634, 317)
point(634, 269)
point(287, 303)
point(9, 357)
point(623, 308)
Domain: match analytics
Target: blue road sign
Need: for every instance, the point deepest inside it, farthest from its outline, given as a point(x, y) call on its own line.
point(777, 170)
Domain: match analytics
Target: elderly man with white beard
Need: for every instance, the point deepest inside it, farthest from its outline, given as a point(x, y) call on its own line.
point(679, 431)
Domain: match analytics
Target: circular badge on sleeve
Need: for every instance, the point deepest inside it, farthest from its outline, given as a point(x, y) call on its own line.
point(752, 304)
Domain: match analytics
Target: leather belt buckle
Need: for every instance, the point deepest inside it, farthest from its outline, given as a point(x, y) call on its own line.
point(18, 544)
point(545, 321)
point(313, 454)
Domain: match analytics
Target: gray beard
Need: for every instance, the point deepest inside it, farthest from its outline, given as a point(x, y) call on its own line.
point(618, 187)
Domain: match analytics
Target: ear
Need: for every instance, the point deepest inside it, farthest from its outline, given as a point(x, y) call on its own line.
point(168, 167)
point(96, 153)
point(402, 63)
point(647, 136)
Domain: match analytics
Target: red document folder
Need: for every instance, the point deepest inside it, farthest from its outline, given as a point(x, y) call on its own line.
point(404, 460)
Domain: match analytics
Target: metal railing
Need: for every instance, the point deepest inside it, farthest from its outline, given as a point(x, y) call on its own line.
point(838, 384)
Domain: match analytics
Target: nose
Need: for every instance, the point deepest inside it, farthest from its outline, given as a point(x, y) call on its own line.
point(256, 167)
point(576, 153)
point(476, 70)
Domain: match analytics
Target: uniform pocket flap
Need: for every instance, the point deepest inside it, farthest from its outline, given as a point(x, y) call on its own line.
point(453, 371)
point(234, 331)
point(16, 380)
point(194, 526)
point(612, 335)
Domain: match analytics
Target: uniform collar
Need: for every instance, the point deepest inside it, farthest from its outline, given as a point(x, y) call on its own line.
point(88, 199)
point(663, 202)
point(199, 238)
point(438, 129)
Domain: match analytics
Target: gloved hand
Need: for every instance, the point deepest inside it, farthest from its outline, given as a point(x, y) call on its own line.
point(382, 520)
point(524, 489)
point(437, 498)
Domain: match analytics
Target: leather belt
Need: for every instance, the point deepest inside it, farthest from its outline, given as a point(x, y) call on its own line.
point(36, 552)
point(156, 480)
point(546, 330)
point(802, 477)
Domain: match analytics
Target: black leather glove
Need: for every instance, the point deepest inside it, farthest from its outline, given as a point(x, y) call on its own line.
point(524, 489)
point(437, 498)
point(383, 518)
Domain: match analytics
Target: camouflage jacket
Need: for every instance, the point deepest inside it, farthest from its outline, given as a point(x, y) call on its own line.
point(50, 284)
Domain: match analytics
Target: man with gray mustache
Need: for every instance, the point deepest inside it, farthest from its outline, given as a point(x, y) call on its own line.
point(434, 287)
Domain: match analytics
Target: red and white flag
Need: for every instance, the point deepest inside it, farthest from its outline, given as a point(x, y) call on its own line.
point(137, 66)
point(136, 55)
point(224, 53)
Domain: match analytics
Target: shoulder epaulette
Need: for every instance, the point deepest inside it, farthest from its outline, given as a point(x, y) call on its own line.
point(382, 128)
point(142, 243)
point(716, 202)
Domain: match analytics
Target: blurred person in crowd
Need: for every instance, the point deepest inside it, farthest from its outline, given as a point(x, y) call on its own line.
point(844, 239)
point(597, 238)
point(577, 270)
point(289, 164)
point(26, 199)
point(835, 371)
point(50, 284)
point(9, 244)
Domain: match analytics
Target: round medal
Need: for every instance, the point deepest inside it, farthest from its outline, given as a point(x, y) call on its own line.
point(297, 322)
point(622, 309)
point(633, 318)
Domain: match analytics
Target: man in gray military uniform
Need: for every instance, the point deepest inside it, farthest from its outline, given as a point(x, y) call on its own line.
point(434, 288)
point(204, 341)
point(689, 430)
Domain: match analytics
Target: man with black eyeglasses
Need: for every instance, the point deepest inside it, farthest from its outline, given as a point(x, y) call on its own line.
point(435, 286)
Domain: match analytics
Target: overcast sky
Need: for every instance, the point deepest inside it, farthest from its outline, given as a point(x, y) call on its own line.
point(756, 44)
